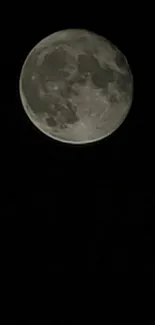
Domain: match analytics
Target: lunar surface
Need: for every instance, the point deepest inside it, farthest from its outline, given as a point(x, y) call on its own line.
point(76, 86)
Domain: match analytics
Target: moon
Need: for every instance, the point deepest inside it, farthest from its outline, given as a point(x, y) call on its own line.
point(76, 86)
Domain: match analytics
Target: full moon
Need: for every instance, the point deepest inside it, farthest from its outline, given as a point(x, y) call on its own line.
point(76, 86)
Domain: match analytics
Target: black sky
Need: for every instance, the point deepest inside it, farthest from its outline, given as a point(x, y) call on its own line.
point(73, 201)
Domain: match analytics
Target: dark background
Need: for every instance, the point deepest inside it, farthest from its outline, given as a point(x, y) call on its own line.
point(80, 209)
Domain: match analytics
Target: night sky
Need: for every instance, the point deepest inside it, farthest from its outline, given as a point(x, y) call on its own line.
point(80, 209)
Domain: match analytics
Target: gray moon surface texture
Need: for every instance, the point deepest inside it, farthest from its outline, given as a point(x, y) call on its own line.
point(76, 86)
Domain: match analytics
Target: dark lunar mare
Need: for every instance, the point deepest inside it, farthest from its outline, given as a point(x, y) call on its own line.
point(124, 82)
point(61, 116)
point(87, 63)
point(102, 76)
point(51, 121)
point(54, 63)
point(120, 60)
